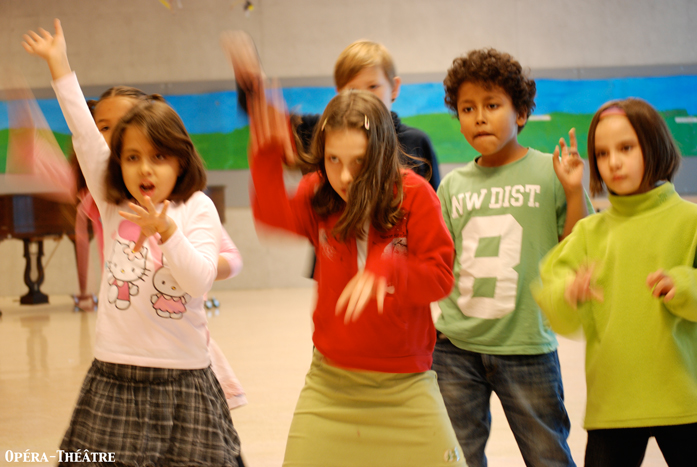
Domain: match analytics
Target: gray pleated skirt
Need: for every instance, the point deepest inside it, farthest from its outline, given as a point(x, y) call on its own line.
point(152, 417)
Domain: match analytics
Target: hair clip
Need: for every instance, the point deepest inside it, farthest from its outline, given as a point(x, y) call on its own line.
point(366, 123)
point(323, 124)
point(613, 110)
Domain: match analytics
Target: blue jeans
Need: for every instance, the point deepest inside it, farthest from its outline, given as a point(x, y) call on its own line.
point(531, 393)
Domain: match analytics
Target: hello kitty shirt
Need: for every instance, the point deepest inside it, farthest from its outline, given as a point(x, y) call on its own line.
point(151, 302)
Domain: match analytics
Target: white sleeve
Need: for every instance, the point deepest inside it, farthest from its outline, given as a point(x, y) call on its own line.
point(90, 147)
point(192, 251)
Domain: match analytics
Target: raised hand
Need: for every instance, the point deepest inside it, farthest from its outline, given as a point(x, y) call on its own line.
point(150, 221)
point(240, 50)
point(53, 49)
point(662, 285)
point(268, 123)
point(363, 287)
point(582, 288)
point(569, 168)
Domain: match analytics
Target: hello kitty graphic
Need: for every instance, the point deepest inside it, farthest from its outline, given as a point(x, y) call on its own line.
point(171, 299)
point(124, 268)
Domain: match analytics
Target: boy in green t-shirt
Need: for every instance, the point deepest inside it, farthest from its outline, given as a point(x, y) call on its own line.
point(504, 211)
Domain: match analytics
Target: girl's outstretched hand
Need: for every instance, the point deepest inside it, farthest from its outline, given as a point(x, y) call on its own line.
point(662, 285)
point(240, 50)
point(150, 221)
point(269, 129)
point(569, 168)
point(364, 286)
point(51, 48)
point(582, 288)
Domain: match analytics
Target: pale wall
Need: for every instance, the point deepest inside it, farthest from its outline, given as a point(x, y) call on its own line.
point(140, 41)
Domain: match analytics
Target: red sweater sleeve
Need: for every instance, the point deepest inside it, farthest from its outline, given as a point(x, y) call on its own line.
point(425, 274)
point(271, 204)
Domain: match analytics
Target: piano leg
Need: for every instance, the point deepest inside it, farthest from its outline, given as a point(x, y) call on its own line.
point(34, 296)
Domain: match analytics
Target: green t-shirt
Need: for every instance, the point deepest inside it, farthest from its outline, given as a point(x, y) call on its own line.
point(503, 220)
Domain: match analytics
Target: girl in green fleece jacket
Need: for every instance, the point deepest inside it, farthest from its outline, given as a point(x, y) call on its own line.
point(628, 278)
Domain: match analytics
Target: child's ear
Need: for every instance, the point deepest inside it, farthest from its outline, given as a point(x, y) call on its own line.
point(522, 118)
point(395, 87)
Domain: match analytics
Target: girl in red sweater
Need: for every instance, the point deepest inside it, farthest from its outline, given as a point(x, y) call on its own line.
point(383, 255)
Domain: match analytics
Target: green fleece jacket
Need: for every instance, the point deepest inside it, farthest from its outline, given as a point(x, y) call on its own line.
point(641, 352)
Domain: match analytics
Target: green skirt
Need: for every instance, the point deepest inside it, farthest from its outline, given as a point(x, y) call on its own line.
point(348, 418)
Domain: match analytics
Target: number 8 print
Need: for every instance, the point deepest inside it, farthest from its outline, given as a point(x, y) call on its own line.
point(498, 267)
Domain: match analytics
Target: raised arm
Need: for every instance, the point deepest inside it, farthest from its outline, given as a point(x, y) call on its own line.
point(569, 170)
point(90, 147)
point(242, 54)
point(271, 205)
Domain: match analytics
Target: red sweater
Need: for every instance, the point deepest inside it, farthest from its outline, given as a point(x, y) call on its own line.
point(416, 257)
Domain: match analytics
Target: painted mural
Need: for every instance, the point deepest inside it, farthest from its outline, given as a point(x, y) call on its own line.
point(220, 130)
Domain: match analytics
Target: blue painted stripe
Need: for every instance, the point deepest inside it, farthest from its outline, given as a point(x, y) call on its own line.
point(218, 113)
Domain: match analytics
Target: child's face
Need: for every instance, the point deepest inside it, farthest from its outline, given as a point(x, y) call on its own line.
point(373, 80)
point(146, 172)
point(489, 122)
point(618, 155)
point(344, 154)
point(108, 113)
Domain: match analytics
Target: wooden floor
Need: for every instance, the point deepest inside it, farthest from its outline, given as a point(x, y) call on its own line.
point(45, 351)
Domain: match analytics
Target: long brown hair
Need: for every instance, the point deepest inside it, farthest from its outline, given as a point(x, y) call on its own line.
point(166, 132)
point(377, 190)
point(115, 91)
point(661, 154)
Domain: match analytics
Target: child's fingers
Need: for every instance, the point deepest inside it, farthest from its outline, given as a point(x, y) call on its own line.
point(562, 144)
point(669, 296)
point(555, 158)
point(572, 297)
point(138, 209)
point(45, 34)
point(365, 294)
point(571, 293)
point(564, 149)
point(664, 285)
point(597, 294)
point(355, 295)
point(585, 287)
point(129, 216)
point(58, 27)
point(34, 36)
point(139, 242)
point(163, 213)
point(654, 277)
point(381, 293)
point(573, 143)
point(344, 297)
point(149, 207)
point(28, 41)
point(27, 47)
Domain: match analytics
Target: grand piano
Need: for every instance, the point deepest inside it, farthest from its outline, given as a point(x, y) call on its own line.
point(27, 213)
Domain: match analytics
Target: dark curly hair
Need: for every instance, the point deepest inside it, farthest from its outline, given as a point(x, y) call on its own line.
point(490, 68)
